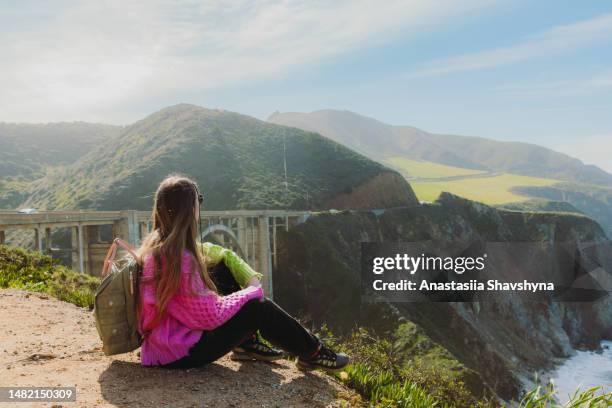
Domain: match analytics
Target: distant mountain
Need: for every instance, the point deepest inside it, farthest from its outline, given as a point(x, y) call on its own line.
point(382, 141)
point(238, 161)
point(30, 151)
point(542, 205)
point(594, 201)
point(26, 150)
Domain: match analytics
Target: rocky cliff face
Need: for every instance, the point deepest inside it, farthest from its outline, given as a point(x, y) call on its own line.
point(385, 190)
point(318, 277)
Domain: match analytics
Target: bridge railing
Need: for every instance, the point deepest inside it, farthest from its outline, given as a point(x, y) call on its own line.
point(252, 233)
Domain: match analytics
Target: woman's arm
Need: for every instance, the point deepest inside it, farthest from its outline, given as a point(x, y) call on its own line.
point(240, 269)
point(254, 282)
point(209, 311)
point(200, 308)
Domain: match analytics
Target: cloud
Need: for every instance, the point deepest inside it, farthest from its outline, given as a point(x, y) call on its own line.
point(601, 82)
point(556, 40)
point(95, 60)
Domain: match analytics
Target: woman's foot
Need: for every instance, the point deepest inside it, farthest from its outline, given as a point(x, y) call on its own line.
point(325, 359)
point(255, 349)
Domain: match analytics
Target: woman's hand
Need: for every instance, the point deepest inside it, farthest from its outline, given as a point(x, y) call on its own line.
point(254, 282)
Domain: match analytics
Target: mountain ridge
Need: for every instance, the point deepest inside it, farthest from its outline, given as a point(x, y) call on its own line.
point(26, 149)
point(473, 152)
point(238, 161)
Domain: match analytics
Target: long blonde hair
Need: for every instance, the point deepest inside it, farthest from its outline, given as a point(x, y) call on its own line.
point(175, 229)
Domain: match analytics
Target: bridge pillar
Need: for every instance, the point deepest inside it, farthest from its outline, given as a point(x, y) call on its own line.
point(75, 248)
point(143, 228)
point(95, 249)
point(241, 233)
point(81, 243)
point(79, 252)
point(265, 264)
point(127, 227)
point(47, 240)
point(38, 239)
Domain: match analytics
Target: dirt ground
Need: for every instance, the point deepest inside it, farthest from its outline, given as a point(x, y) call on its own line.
point(46, 342)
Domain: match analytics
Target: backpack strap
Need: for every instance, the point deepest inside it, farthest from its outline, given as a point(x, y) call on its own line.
point(112, 251)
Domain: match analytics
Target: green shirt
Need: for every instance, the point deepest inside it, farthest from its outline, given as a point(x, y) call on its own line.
point(241, 270)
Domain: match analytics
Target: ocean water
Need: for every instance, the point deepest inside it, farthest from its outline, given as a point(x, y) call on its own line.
point(584, 370)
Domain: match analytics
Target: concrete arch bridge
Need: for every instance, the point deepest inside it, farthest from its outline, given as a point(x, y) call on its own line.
point(251, 233)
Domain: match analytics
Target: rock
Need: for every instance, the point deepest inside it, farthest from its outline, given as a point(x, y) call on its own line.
point(499, 341)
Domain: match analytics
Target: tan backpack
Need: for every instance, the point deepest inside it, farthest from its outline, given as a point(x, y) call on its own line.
point(116, 301)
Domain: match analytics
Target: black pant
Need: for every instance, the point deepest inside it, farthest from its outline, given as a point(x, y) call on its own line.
point(274, 324)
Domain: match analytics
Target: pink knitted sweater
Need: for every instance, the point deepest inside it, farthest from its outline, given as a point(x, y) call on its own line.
point(187, 313)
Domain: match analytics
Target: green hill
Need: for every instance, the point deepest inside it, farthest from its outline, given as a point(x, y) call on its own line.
point(480, 169)
point(29, 151)
point(238, 161)
point(492, 190)
point(540, 205)
point(382, 141)
point(419, 169)
point(594, 201)
point(26, 150)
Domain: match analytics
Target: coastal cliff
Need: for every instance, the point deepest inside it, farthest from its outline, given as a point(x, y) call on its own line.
point(318, 276)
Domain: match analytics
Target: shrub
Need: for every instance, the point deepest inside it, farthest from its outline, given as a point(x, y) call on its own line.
point(378, 373)
point(544, 397)
point(39, 273)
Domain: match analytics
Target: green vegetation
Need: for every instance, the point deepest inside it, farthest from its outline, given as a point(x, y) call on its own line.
point(541, 205)
point(545, 397)
point(237, 160)
point(594, 201)
point(381, 141)
point(416, 351)
point(30, 151)
point(381, 373)
point(12, 193)
point(27, 150)
point(426, 169)
point(488, 190)
point(419, 153)
point(32, 271)
point(378, 374)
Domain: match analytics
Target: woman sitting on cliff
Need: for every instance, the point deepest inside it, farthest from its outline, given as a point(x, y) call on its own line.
point(190, 316)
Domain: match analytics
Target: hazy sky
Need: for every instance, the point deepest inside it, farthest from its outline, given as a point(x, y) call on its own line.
point(534, 71)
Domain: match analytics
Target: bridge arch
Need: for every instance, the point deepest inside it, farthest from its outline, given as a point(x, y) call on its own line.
point(211, 233)
point(252, 234)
